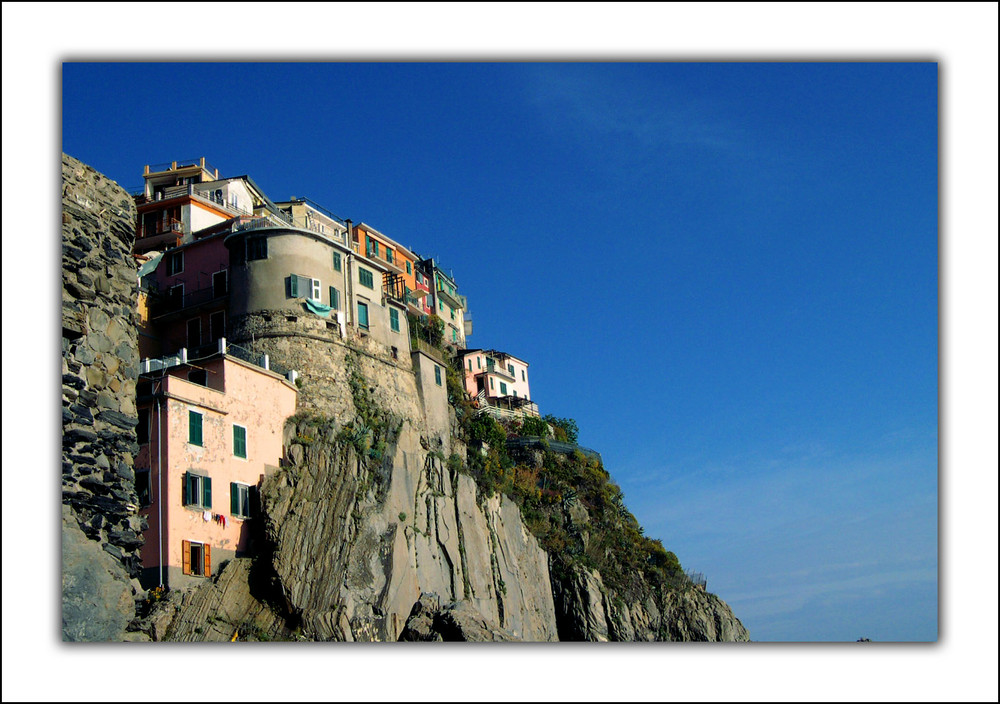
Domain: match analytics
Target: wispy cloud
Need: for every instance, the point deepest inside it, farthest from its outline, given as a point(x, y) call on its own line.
point(584, 102)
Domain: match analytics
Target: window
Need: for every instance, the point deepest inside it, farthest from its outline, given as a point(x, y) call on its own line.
point(510, 368)
point(196, 558)
point(239, 441)
point(515, 393)
point(197, 491)
point(334, 298)
point(220, 283)
point(175, 295)
point(336, 261)
point(365, 277)
point(198, 376)
point(243, 500)
point(454, 335)
point(441, 305)
point(479, 362)
point(142, 430)
point(394, 319)
point(470, 364)
point(303, 287)
point(523, 377)
point(452, 312)
point(388, 255)
point(256, 248)
point(491, 382)
point(503, 389)
point(437, 375)
point(217, 324)
point(372, 247)
point(194, 428)
point(175, 263)
point(142, 487)
point(363, 315)
point(409, 268)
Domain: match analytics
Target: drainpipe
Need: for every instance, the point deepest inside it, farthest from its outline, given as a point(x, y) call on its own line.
point(159, 488)
point(349, 279)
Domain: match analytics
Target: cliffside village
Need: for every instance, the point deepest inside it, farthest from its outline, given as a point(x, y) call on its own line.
point(221, 264)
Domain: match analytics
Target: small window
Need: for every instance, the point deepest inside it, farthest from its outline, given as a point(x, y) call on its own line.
point(479, 362)
point(363, 316)
point(175, 263)
point(334, 298)
point(523, 377)
point(220, 283)
point(470, 364)
point(142, 429)
point(336, 261)
point(394, 319)
point(256, 248)
point(143, 487)
point(365, 277)
point(491, 382)
point(503, 389)
point(437, 375)
point(198, 376)
point(196, 558)
point(243, 500)
point(194, 428)
point(197, 491)
point(239, 441)
point(510, 368)
point(303, 287)
point(409, 269)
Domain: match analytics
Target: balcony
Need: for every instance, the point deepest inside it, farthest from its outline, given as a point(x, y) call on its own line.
point(498, 370)
point(170, 304)
point(452, 300)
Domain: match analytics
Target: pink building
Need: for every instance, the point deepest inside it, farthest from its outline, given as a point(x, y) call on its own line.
point(208, 432)
point(498, 380)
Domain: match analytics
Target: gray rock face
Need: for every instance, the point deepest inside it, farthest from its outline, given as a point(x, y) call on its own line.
point(355, 544)
point(97, 601)
point(587, 611)
point(99, 368)
point(457, 621)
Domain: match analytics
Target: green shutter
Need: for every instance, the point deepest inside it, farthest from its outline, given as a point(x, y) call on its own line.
point(206, 492)
point(234, 499)
point(194, 428)
point(240, 441)
point(336, 261)
point(334, 298)
point(186, 488)
point(394, 319)
point(437, 375)
point(362, 315)
point(293, 286)
point(409, 268)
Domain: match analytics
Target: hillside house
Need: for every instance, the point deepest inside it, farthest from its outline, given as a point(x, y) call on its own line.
point(208, 431)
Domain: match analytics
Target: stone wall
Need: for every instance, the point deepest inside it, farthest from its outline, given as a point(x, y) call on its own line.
point(99, 370)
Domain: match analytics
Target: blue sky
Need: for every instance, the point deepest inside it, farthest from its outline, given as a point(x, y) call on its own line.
point(726, 273)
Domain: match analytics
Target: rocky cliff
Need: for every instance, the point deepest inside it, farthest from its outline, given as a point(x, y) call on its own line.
point(383, 522)
point(101, 533)
point(371, 534)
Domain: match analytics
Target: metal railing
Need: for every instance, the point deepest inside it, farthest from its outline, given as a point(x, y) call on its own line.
point(171, 304)
point(565, 448)
point(181, 164)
